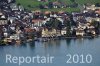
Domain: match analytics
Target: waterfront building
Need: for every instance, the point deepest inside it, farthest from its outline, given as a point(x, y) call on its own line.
point(3, 20)
point(80, 32)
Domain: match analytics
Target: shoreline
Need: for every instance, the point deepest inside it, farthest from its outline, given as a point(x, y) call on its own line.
point(45, 39)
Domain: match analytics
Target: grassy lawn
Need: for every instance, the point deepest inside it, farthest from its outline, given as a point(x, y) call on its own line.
point(35, 4)
point(87, 1)
point(60, 9)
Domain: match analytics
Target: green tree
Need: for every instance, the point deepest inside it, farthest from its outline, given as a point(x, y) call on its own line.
point(96, 24)
point(72, 0)
point(67, 24)
point(54, 24)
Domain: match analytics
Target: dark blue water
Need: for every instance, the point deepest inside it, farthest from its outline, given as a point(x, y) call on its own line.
point(57, 48)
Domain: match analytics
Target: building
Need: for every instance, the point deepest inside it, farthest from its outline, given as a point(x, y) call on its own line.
point(49, 33)
point(3, 20)
point(63, 32)
point(37, 22)
point(80, 32)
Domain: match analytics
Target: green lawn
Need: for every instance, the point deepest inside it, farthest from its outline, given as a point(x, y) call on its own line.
point(87, 1)
point(35, 4)
point(60, 9)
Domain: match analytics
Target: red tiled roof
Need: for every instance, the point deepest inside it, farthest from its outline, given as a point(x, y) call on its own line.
point(36, 20)
point(98, 11)
point(29, 30)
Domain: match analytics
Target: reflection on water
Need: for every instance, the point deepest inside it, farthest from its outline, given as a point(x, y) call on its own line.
point(52, 44)
point(57, 48)
point(56, 43)
point(68, 41)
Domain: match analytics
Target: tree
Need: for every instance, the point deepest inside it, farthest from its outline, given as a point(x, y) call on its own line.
point(18, 4)
point(13, 1)
point(29, 6)
point(50, 5)
point(96, 24)
point(97, 4)
point(72, 0)
point(54, 24)
point(67, 24)
point(41, 6)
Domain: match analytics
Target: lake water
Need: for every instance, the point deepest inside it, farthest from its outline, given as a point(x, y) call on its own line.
point(57, 48)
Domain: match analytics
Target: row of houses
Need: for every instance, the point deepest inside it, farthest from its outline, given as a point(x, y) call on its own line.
point(85, 19)
point(16, 22)
point(56, 4)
